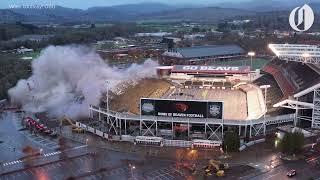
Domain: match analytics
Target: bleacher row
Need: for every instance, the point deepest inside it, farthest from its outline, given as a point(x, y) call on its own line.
point(286, 87)
point(274, 94)
point(229, 97)
point(214, 85)
point(300, 74)
point(293, 77)
point(255, 101)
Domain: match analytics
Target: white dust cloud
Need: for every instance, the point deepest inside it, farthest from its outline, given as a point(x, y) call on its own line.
point(65, 80)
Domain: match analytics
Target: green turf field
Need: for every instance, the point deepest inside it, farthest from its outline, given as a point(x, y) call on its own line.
point(33, 54)
point(257, 63)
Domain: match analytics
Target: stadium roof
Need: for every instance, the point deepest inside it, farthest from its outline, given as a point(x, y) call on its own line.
point(297, 52)
point(212, 50)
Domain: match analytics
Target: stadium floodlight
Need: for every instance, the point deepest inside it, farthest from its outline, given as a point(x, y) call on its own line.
point(305, 55)
point(265, 86)
point(297, 52)
point(251, 54)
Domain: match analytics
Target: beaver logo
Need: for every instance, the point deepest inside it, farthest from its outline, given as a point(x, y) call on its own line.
point(181, 107)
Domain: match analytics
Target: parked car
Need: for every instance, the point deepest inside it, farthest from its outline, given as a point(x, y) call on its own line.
point(291, 173)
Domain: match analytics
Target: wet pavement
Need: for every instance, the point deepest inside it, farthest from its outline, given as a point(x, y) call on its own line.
point(86, 156)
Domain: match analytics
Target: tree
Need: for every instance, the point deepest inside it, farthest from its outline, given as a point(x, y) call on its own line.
point(292, 142)
point(231, 141)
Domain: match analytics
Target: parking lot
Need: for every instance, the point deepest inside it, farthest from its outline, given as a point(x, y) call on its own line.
point(38, 138)
point(167, 173)
point(70, 167)
point(81, 166)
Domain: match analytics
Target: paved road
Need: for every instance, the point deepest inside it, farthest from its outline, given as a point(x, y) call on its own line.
point(101, 165)
point(304, 171)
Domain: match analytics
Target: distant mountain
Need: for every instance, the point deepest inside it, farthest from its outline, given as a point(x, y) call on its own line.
point(153, 11)
point(143, 8)
point(41, 15)
point(270, 5)
point(61, 14)
point(133, 12)
point(10, 16)
point(200, 14)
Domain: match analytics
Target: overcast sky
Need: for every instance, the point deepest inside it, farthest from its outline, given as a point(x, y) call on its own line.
point(83, 4)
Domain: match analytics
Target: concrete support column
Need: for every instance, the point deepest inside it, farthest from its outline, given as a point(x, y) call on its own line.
point(188, 129)
point(125, 126)
point(156, 128)
point(140, 127)
point(245, 130)
point(172, 130)
point(205, 130)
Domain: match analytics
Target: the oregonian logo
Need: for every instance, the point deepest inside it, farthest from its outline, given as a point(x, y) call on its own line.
point(305, 17)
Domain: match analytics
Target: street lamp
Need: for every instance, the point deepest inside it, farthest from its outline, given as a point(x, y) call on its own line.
point(132, 167)
point(251, 54)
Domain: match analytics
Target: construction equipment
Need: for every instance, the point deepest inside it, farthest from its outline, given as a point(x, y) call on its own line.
point(74, 127)
point(217, 167)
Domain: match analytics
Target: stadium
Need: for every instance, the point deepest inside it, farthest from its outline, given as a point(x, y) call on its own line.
point(194, 105)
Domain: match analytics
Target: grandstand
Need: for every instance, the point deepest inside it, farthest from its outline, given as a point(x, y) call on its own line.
point(302, 71)
point(255, 101)
point(249, 98)
point(128, 101)
point(244, 106)
point(285, 85)
point(227, 96)
point(292, 76)
point(274, 93)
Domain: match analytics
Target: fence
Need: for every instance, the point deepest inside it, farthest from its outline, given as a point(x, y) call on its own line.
point(177, 143)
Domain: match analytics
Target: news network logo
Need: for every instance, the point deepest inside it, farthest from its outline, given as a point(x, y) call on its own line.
point(305, 17)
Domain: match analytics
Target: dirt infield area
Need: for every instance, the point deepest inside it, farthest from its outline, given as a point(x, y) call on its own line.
point(146, 88)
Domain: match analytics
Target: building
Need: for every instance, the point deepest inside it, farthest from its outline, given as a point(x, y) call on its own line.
point(200, 54)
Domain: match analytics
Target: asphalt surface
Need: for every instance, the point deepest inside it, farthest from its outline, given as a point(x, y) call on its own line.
point(74, 162)
point(87, 161)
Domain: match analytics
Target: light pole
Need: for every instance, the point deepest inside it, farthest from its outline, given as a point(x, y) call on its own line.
point(87, 142)
point(251, 54)
point(107, 83)
point(132, 167)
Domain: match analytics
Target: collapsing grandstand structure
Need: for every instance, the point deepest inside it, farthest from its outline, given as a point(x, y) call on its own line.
point(287, 91)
